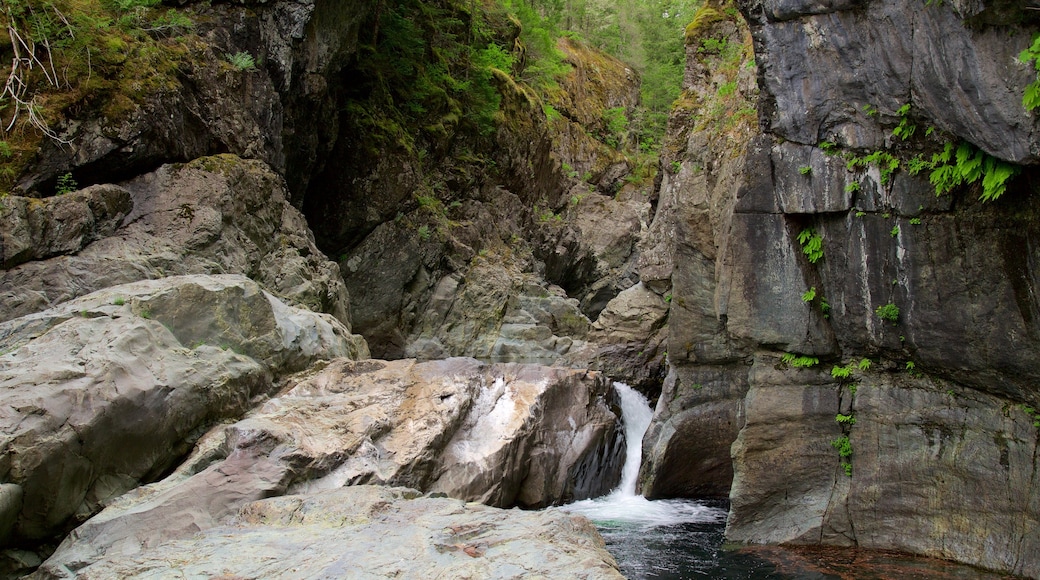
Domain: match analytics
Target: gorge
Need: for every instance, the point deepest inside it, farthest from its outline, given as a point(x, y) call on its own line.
point(285, 275)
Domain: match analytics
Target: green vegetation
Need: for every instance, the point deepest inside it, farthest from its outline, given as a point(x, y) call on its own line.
point(95, 57)
point(966, 164)
point(812, 244)
point(809, 295)
point(905, 129)
point(65, 184)
point(889, 312)
point(616, 127)
point(799, 361)
point(241, 61)
point(1033, 414)
point(119, 301)
point(844, 447)
point(1031, 55)
point(805, 170)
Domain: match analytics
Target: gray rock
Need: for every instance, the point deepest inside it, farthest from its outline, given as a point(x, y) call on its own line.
point(501, 434)
point(936, 469)
point(34, 229)
point(101, 392)
point(823, 64)
point(698, 416)
point(368, 532)
point(216, 215)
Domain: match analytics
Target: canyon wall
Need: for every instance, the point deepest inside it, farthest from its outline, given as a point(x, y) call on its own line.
point(872, 359)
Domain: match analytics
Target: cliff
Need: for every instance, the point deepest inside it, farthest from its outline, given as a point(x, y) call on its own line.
point(865, 345)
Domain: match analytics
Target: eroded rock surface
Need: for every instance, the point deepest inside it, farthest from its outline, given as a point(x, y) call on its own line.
point(112, 388)
point(368, 532)
point(501, 434)
point(215, 215)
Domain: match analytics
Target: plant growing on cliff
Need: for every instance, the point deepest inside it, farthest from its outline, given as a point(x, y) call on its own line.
point(1031, 55)
point(799, 361)
point(812, 244)
point(965, 164)
point(241, 61)
point(65, 184)
point(889, 312)
point(844, 447)
point(1033, 414)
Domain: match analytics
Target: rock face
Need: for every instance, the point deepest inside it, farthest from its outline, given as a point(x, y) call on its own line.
point(503, 434)
point(921, 439)
point(369, 532)
point(112, 388)
point(215, 215)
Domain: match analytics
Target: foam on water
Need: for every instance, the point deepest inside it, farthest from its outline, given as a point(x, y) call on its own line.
point(622, 506)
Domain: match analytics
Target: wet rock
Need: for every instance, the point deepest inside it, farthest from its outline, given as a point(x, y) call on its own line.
point(686, 450)
point(367, 532)
point(110, 389)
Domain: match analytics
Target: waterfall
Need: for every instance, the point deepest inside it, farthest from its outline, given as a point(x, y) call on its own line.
point(635, 415)
point(622, 505)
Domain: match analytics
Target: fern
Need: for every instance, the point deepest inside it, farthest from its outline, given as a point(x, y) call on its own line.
point(812, 244)
point(1031, 55)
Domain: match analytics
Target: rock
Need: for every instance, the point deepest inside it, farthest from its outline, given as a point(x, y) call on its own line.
point(497, 311)
point(213, 215)
point(686, 448)
point(110, 389)
point(936, 469)
point(822, 64)
point(503, 434)
point(368, 532)
point(38, 229)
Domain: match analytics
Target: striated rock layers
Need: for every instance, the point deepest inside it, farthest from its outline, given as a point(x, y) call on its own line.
point(501, 434)
point(878, 392)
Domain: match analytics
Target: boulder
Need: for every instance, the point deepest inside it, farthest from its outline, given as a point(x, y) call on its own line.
point(215, 215)
point(110, 389)
point(503, 434)
point(365, 532)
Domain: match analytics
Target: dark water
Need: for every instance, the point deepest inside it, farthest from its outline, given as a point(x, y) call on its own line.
point(681, 550)
point(679, 539)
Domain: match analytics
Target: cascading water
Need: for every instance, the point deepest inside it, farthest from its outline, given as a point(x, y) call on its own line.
point(662, 538)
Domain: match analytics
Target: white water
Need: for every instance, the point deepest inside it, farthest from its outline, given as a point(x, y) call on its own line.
point(622, 505)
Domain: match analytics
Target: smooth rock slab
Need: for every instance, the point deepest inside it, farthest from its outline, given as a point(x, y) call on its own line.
point(503, 434)
point(369, 532)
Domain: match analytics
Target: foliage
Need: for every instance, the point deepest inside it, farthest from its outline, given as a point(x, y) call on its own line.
point(889, 312)
point(845, 419)
point(812, 244)
point(967, 164)
point(809, 295)
point(805, 170)
point(844, 447)
point(1031, 55)
point(241, 61)
point(66, 184)
point(616, 126)
point(96, 57)
point(842, 372)
point(799, 361)
point(905, 129)
point(1033, 414)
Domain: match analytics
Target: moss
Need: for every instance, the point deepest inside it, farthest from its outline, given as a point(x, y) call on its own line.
point(110, 60)
point(705, 17)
